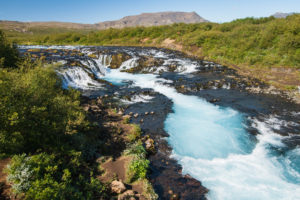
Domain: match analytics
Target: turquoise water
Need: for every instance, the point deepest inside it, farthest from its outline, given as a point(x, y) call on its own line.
point(212, 145)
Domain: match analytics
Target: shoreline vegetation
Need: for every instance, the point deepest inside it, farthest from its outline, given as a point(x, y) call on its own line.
point(53, 142)
point(264, 48)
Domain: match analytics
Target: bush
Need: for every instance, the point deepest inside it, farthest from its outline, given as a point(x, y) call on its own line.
point(139, 165)
point(135, 133)
point(36, 113)
point(9, 55)
point(49, 176)
point(136, 149)
point(138, 169)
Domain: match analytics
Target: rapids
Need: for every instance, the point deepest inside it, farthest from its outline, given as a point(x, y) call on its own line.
point(211, 142)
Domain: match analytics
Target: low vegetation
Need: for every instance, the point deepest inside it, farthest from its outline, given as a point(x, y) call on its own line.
point(53, 176)
point(52, 142)
point(252, 45)
point(263, 41)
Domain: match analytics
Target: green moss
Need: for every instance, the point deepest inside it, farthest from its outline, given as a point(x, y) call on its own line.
point(135, 133)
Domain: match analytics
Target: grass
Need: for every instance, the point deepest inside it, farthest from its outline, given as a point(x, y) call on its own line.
point(135, 133)
point(252, 46)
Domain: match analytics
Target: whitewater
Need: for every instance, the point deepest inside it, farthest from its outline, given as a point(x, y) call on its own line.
point(212, 145)
point(212, 142)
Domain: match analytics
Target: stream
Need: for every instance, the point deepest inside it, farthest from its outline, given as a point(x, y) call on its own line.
point(239, 145)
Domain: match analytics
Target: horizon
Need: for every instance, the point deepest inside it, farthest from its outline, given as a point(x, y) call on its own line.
point(140, 14)
point(91, 12)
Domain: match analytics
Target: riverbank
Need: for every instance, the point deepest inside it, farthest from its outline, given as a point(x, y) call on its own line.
point(265, 48)
point(160, 89)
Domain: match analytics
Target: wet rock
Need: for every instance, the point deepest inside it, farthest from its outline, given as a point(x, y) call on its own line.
point(146, 113)
point(214, 100)
point(86, 107)
point(136, 115)
point(99, 101)
point(95, 108)
point(152, 112)
point(129, 194)
point(117, 187)
point(118, 59)
point(149, 145)
point(131, 113)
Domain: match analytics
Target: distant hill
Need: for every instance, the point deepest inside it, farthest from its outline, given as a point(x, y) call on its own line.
point(153, 19)
point(282, 15)
point(145, 19)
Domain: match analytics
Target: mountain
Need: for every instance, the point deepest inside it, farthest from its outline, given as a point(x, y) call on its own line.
point(153, 19)
point(144, 19)
point(282, 15)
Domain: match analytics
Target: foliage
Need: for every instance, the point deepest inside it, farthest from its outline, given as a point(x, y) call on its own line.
point(8, 53)
point(36, 113)
point(138, 169)
point(136, 149)
point(50, 176)
point(135, 132)
point(250, 41)
point(41, 119)
point(139, 165)
point(126, 120)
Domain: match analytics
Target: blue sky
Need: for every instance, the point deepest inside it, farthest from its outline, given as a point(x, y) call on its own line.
point(93, 11)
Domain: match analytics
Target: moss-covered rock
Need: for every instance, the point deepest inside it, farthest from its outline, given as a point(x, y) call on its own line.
point(93, 55)
point(145, 64)
point(118, 59)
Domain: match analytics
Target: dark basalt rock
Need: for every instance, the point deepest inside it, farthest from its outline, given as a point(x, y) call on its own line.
point(212, 82)
point(118, 59)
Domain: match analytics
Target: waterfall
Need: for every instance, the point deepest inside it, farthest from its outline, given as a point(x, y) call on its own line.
point(77, 77)
point(210, 142)
point(128, 64)
point(98, 66)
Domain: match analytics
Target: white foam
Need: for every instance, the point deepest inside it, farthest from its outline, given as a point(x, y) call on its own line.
point(138, 99)
point(128, 64)
point(76, 77)
point(211, 144)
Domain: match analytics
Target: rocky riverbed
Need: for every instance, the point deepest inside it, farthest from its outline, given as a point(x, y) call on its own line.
point(211, 102)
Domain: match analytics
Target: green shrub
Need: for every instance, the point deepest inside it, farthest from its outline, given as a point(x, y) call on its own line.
point(137, 149)
point(9, 55)
point(49, 176)
point(138, 169)
point(135, 133)
point(36, 113)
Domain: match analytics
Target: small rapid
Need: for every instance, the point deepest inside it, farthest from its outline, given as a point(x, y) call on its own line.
point(210, 142)
point(212, 145)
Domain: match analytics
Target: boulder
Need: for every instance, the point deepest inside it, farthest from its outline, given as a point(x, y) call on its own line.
point(118, 59)
point(117, 187)
point(136, 115)
point(129, 194)
point(149, 145)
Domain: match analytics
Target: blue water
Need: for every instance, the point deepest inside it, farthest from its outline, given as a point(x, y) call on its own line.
point(208, 129)
point(213, 146)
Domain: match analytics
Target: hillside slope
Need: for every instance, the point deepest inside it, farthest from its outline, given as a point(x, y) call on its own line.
point(153, 19)
point(145, 19)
